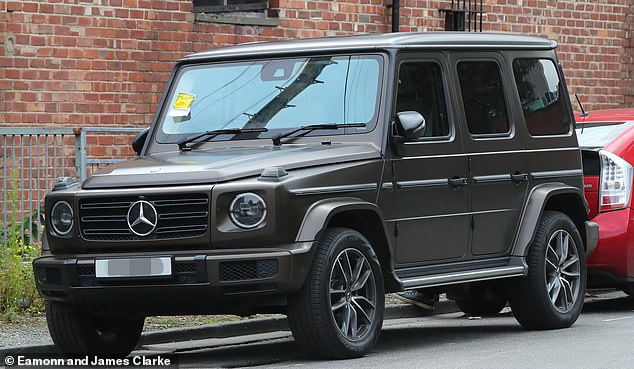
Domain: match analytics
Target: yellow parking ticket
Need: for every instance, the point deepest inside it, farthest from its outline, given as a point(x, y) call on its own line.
point(184, 101)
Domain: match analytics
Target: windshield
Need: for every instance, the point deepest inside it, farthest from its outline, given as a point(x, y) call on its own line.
point(273, 94)
point(600, 134)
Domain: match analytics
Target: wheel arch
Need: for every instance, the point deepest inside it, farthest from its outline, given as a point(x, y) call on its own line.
point(552, 196)
point(354, 213)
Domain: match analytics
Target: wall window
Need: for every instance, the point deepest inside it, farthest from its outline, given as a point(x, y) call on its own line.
point(483, 97)
point(541, 94)
point(420, 89)
point(210, 6)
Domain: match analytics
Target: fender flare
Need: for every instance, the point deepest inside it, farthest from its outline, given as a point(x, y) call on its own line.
point(534, 208)
point(319, 214)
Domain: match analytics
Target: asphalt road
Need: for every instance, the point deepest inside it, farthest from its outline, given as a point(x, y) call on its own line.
point(603, 337)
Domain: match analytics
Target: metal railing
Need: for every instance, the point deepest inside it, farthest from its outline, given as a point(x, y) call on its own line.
point(33, 157)
point(464, 15)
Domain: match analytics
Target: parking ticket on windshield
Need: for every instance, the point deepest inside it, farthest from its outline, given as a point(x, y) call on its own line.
point(182, 105)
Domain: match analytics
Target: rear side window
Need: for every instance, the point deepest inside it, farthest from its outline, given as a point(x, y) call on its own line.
point(483, 97)
point(541, 94)
point(420, 89)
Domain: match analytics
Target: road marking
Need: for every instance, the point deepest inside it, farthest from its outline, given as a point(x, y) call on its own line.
point(615, 319)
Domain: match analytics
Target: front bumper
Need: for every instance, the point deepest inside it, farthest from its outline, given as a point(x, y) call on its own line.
point(201, 281)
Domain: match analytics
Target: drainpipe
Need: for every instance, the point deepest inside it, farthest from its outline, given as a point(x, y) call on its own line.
point(396, 14)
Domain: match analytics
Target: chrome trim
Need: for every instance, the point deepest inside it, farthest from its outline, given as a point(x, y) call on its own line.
point(452, 215)
point(334, 189)
point(490, 153)
point(492, 178)
point(557, 174)
point(388, 186)
point(467, 276)
point(423, 183)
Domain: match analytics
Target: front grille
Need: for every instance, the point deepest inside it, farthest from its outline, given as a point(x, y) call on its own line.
point(86, 270)
point(244, 270)
point(179, 216)
point(184, 268)
point(49, 276)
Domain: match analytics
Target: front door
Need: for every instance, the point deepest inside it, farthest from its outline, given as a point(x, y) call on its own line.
point(430, 178)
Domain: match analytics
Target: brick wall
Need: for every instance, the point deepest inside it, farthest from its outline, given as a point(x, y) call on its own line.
point(105, 62)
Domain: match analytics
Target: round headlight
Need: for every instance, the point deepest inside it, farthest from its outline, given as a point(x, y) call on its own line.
point(62, 218)
point(247, 210)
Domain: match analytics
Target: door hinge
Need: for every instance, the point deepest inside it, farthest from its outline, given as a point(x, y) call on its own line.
point(395, 230)
point(472, 222)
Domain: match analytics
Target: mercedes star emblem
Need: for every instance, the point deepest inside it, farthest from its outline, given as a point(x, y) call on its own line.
point(142, 218)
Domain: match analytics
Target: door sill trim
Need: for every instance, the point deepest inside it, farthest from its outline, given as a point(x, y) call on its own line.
point(508, 271)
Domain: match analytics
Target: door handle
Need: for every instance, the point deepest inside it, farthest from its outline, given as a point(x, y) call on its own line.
point(457, 182)
point(519, 177)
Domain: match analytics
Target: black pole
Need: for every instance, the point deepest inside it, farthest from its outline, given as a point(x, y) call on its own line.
point(481, 13)
point(396, 14)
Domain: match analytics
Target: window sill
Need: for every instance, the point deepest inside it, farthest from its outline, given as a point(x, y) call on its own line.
point(237, 19)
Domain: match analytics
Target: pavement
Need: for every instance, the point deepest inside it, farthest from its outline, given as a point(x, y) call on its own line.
point(254, 330)
point(222, 333)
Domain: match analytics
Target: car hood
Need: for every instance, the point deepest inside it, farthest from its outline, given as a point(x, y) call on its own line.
point(218, 165)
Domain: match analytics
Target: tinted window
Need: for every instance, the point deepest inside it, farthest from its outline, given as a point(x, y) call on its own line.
point(541, 95)
point(420, 89)
point(483, 97)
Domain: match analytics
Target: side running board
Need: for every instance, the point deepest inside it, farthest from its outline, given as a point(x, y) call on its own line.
point(516, 267)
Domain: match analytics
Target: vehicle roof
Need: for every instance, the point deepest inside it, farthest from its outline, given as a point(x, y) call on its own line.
point(608, 115)
point(398, 40)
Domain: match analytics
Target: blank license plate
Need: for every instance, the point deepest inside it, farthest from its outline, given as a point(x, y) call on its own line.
point(134, 267)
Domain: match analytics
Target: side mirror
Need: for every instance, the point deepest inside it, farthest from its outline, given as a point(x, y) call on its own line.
point(406, 125)
point(409, 123)
point(139, 141)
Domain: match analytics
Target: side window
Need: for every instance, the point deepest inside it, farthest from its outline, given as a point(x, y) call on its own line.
point(483, 97)
point(420, 89)
point(540, 91)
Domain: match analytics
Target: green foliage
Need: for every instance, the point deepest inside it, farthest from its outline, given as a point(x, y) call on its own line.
point(18, 293)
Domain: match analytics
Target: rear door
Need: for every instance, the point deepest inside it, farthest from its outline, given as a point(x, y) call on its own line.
point(498, 172)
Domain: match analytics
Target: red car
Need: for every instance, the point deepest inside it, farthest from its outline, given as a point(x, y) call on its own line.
point(606, 139)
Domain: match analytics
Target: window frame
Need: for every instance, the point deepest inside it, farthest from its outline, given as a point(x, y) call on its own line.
point(500, 63)
point(162, 137)
point(563, 99)
point(252, 6)
point(445, 91)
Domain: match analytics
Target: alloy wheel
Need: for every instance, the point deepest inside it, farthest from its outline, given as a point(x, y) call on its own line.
point(352, 294)
point(562, 270)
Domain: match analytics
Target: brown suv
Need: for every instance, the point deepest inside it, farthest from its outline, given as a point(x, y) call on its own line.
point(310, 177)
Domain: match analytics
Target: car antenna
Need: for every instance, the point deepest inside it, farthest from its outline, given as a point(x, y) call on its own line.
point(583, 112)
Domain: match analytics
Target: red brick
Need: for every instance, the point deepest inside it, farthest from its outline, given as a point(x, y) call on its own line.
point(122, 53)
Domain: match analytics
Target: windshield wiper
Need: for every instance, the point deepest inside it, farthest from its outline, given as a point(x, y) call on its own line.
point(277, 140)
point(182, 144)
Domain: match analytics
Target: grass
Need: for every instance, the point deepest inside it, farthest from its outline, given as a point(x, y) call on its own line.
point(152, 323)
point(18, 293)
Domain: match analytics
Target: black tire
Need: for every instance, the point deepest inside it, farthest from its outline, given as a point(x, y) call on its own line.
point(321, 314)
point(75, 331)
point(629, 289)
point(483, 300)
point(552, 294)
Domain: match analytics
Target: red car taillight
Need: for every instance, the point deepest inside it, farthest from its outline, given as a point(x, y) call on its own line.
point(615, 186)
